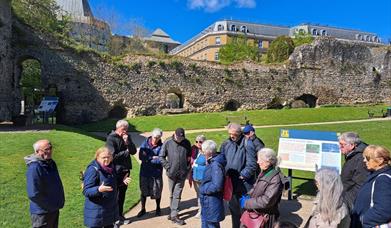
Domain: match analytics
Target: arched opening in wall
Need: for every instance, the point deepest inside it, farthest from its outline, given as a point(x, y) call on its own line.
point(309, 100)
point(231, 105)
point(118, 112)
point(174, 99)
point(275, 103)
point(32, 90)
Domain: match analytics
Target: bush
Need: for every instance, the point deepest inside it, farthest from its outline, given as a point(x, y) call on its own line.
point(301, 38)
point(238, 49)
point(280, 49)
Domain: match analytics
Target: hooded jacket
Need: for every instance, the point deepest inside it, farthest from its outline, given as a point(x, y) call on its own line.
point(354, 173)
point(211, 190)
point(176, 158)
point(121, 152)
point(44, 186)
point(150, 167)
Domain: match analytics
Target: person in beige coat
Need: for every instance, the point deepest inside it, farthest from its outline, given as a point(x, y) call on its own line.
point(329, 210)
point(266, 193)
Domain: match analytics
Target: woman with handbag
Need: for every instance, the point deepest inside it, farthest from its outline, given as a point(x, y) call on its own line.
point(373, 202)
point(261, 204)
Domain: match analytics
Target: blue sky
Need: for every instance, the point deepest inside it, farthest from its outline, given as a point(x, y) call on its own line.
point(182, 19)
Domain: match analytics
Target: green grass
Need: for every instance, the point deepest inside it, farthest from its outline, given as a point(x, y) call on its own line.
point(256, 117)
point(72, 152)
point(377, 132)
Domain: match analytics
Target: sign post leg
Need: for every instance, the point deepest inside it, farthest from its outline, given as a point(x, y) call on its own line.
point(290, 184)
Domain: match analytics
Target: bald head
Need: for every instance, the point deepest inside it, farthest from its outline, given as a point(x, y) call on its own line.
point(43, 148)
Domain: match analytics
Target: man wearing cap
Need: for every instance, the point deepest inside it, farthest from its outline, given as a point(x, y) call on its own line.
point(241, 167)
point(249, 133)
point(175, 157)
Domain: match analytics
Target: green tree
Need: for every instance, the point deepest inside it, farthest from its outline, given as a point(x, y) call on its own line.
point(301, 37)
point(42, 15)
point(31, 81)
point(280, 49)
point(238, 49)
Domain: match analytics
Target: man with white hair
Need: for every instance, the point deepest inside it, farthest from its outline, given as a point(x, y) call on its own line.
point(44, 186)
point(354, 172)
point(241, 167)
point(121, 145)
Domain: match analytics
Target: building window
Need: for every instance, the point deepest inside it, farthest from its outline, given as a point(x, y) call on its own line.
point(243, 28)
point(218, 40)
point(233, 28)
point(220, 28)
point(315, 32)
point(260, 45)
point(323, 32)
point(217, 56)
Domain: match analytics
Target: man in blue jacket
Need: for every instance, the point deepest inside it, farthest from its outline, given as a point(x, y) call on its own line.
point(44, 186)
point(241, 166)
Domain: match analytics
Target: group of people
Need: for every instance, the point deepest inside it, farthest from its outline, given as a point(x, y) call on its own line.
point(242, 168)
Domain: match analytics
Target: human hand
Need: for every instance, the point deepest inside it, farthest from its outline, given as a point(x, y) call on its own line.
point(104, 188)
point(155, 157)
point(241, 177)
point(125, 138)
point(127, 179)
point(243, 200)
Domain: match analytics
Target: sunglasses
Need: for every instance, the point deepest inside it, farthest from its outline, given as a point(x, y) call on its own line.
point(199, 141)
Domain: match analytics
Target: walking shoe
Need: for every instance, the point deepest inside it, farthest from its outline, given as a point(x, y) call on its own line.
point(124, 221)
point(158, 212)
point(178, 221)
point(141, 213)
point(169, 217)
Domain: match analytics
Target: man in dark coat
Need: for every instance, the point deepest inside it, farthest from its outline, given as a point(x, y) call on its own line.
point(354, 173)
point(175, 157)
point(241, 167)
point(121, 145)
point(249, 132)
point(44, 186)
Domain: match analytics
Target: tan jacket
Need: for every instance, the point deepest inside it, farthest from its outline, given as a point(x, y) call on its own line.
point(341, 221)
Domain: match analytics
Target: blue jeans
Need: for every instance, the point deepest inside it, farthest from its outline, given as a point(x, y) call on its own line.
point(206, 224)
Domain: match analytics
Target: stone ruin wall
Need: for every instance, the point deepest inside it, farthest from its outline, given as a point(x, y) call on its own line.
point(89, 86)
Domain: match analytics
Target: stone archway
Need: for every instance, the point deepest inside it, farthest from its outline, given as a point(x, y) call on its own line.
point(231, 105)
point(174, 99)
point(309, 99)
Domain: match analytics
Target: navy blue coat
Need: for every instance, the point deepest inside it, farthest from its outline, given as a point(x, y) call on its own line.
point(150, 167)
point(380, 213)
point(211, 190)
point(44, 186)
point(241, 161)
point(100, 209)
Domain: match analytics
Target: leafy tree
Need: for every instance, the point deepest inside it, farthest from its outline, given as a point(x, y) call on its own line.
point(31, 81)
point(238, 49)
point(42, 15)
point(301, 37)
point(280, 49)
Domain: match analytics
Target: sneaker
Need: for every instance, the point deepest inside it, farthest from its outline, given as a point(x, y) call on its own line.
point(118, 223)
point(158, 212)
point(141, 213)
point(178, 221)
point(198, 215)
point(124, 221)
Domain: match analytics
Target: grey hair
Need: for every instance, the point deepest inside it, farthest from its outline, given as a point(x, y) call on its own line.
point(201, 138)
point(121, 123)
point(157, 132)
point(235, 127)
point(37, 144)
point(269, 155)
point(351, 138)
point(209, 146)
point(329, 195)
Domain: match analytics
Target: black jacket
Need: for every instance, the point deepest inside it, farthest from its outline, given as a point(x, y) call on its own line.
point(175, 158)
point(354, 173)
point(121, 152)
point(258, 143)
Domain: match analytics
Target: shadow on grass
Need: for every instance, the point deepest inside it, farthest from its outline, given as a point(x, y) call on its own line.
point(307, 188)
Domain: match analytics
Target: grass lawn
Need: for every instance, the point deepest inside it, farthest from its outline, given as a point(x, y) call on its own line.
point(377, 132)
point(73, 151)
point(256, 117)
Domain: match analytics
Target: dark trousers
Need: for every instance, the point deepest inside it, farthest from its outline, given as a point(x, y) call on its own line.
point(206, 224)
point(236, 211)
point(48, 220)
point(121, 198)
point(175, 187)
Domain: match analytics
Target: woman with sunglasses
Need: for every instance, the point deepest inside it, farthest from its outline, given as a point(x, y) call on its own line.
point(198, 164)
point(372, 205)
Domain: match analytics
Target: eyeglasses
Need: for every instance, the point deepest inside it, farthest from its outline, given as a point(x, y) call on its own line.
point(199, 141)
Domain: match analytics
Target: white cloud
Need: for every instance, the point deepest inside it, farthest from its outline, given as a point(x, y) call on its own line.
point(216, 5)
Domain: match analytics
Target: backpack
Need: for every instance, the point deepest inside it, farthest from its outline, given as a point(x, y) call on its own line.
point(81, 177)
